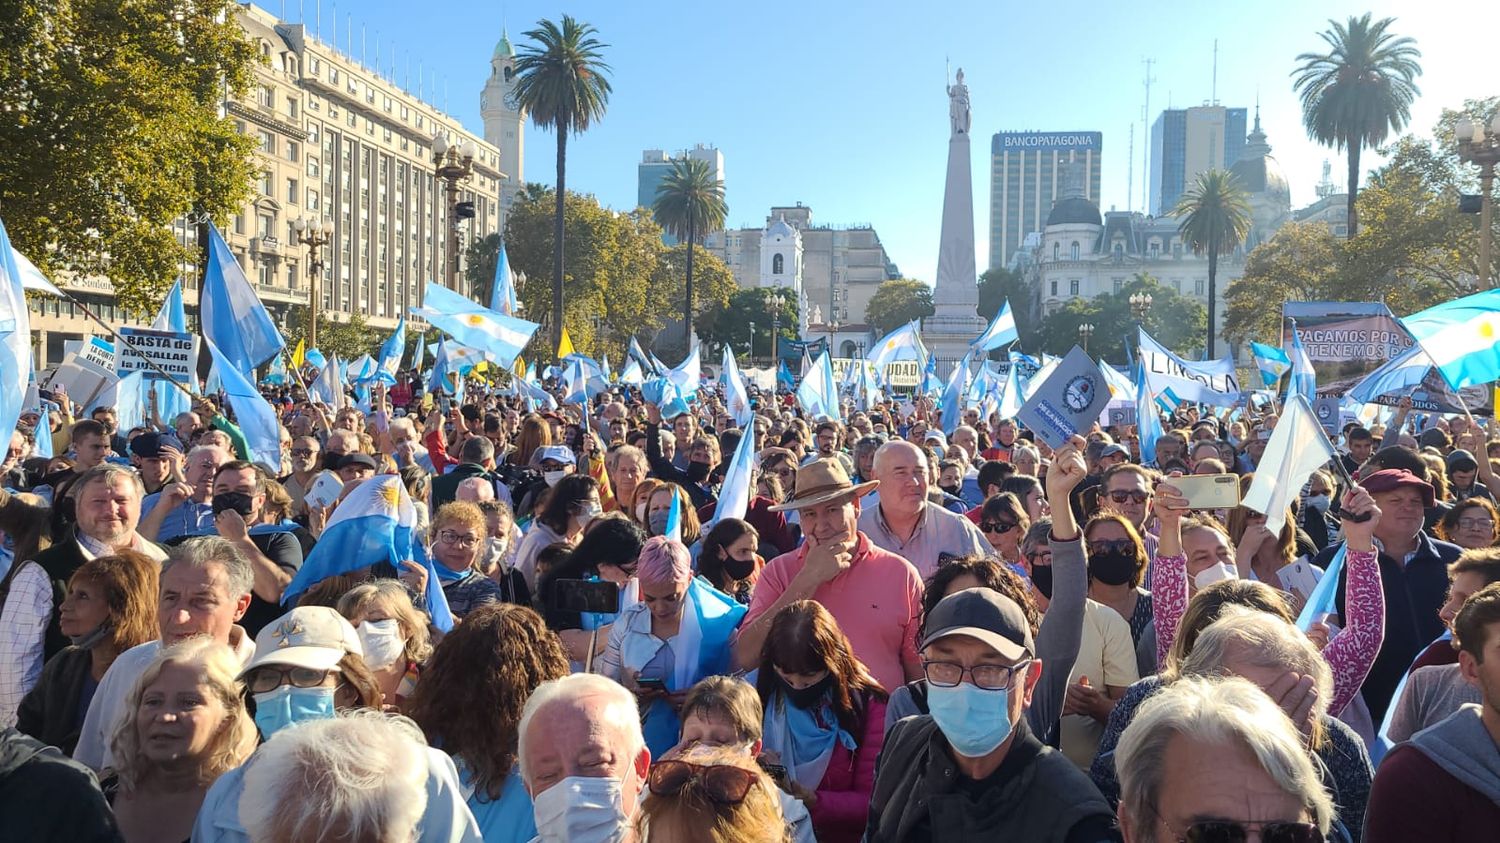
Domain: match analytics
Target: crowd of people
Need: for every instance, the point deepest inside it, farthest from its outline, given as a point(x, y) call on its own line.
point(905, 635)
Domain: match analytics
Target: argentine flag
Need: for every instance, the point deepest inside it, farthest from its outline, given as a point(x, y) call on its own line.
point(503, 288)
point(391, 353)
point(1462, 337)
point(736, 397)
point(233, 317)
point(904, 343)
point(1271, 361)
point(952, 405)
point(1000, 332)
point(475, 326)
point(15, 336)
point(256, 417)
point(1298, 447)
point(172, 316)
point(688, 375)
point(739, 482)
point(1304, 380)
point(819, 392)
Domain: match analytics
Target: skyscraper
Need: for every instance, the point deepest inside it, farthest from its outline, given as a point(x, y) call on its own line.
point(656, 164)
point(1189, 141)
point(1026, 178)
point(505, 123)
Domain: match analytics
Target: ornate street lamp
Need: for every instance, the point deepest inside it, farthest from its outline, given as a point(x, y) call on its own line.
point(1085, 331)
point(314, 235)
point(454, 164)
point(1480, 144)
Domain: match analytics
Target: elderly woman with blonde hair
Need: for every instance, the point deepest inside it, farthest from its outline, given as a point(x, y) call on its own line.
point(393, 633)
point(710, 794)
point(186, 725)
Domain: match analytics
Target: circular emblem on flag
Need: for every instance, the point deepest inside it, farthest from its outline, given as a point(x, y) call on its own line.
point(1079, 393)
point(475, 319)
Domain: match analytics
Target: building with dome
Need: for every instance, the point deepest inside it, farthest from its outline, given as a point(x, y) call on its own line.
point(505, 123)
point(1260, 175)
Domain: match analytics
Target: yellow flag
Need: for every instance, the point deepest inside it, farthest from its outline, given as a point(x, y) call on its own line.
point(482, 366)
point(300, 354)
point(565, 347)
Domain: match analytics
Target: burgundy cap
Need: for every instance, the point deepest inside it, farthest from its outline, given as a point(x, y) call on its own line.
point(1390, 479)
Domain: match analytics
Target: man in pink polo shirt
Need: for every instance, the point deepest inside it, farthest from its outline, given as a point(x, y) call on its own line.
point(875, 595)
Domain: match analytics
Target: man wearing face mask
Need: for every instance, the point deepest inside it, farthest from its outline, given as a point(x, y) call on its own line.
point(692, 474)
point(583, 759)
point(972, 769)
point(274, 553)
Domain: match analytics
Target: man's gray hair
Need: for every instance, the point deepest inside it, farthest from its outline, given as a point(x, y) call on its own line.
point(358, 776)
point(868, 444)
point(199, 551)
point(1263, 640)
point(108, 471)
point(1212, 713)
point(620, 710)
point(477, 450)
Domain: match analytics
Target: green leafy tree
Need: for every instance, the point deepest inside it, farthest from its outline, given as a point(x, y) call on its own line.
point(347, 339)
point(113, 130)
point(746, 311)
point(1174, 320)
point(689, 203)
point(897, 302)
point(1359, 92)
point(669, 284)
point(1215, 212)
point(1299, 263)
point(996, 287)
point(479, 267)
point(561, 82)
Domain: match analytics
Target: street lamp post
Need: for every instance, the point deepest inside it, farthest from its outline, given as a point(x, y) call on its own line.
point(1480, 144)
point(1140, 304)
point(454, 164)
point(776, 302)
point(1084, 332)
point(752, 343)
point(314, 235)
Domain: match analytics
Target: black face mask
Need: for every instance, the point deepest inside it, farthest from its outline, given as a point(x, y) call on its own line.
point(952, 490)
point(737, 570)
point(808, 697)
point(698, 471)
point(1041, 577)
point(1116, 567)
point(238, 501)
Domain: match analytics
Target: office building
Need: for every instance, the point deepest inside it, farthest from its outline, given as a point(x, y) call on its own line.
point(505, 124)
point(1025, 181)
point(338, 141)
point(1189, 141)
point(656, 165)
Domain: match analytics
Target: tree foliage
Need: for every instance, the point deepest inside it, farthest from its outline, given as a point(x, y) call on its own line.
point(112, 131)
point(348, 339)
point(690, 203)
point(731, 323)
point(897, 302)
point(1215, 212)
point(1175, 320)
point(997, 286)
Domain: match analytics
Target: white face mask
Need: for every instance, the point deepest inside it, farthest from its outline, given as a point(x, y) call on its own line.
point(382, 642)
point(553, 476)
point(1215, 573)
point(589, 512)
point(640, 512)
point(581, 809)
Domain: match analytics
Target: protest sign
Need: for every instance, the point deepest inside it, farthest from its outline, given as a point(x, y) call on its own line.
point(171, 351)
point(1207, 381)
point(1345, 341)
point(1068, 402)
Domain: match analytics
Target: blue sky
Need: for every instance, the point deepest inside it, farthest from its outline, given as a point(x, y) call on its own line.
point(842, 105)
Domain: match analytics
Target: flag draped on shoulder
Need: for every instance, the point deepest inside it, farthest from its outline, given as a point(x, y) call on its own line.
point(233, 318)
point(1297, 448)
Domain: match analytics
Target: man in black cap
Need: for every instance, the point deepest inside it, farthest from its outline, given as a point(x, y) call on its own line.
point(971, 769)
point(158, 457)
point(356, 466)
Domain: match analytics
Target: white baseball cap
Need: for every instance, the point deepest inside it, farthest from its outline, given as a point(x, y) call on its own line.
point(315, 637)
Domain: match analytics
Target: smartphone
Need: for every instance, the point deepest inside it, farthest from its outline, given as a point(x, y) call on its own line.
point(594, 597)
point(1209, 491)
point(777, 772)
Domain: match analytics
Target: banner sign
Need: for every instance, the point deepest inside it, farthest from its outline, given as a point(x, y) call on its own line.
point(793, 349)
point(97, 351)
point(172, 352)
point(1206, 381)
point(1344, 340)
point(1068, 401)
point(902, 374)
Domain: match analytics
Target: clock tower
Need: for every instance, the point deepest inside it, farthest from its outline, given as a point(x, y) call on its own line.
point(504, 123)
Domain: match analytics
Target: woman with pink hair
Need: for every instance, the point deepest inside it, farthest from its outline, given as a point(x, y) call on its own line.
point(677, 634)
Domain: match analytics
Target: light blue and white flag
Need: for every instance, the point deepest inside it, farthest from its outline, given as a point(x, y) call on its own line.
point(1206, 381)
point(867, 387)
point(736, 397)
point(635, 353)
point(129, 397)
point(362, 370)
point(688, 375)
point(657, 367)
point(1462, 337)
point(673, 530)
point(316, 359)
point(739, 482)
point(33, 279)
point(475, 326)
point(1271, 361)
point(1297, 448)
point(1324, 598)
point(391, 353)
point(952, 405)
point(43, 434)
point(632, 373)
point(1012, 397)
point(1002, 330)
point(444, 375)
point(931, 383)
point(1147, 417)
point(819, 391)
point(1120, 387)
point(418, 355)
point(904, 343)
point(1304, 380)
point(254, 415)
point(15, 336)
point(532, 392)
point(328, 387)
point(233, 318)
point(277, 375)
point(503, 289)
point(173, 315)
point(1401, 374)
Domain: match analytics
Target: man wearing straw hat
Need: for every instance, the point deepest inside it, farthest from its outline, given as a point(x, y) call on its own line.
point(875, 595)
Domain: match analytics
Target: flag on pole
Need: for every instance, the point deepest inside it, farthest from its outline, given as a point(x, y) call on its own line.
point(1271, 361)
point(255, 416)
point(635, 353)
point(503, 288)
point(277, 375)
point(688, 375)
point(736, 397)
point(299, 357)
point(1297, 448)
point(1011, 398)
point(328, 387)
point(819, 392)
point(565, 345)
point(632, 374)
point(15, 336)
point(32, 278)
point(316, 359)
point(904, 343)
point(391, 353)
point(952, 405)
point(1002, 330)
point(499, 336)
point(233, 318)
point(739, 482)
point(1462, 337)
point(172, 316)
point(43, 434)
point(1147, 418)
point(673, 529)
point(1304, 380)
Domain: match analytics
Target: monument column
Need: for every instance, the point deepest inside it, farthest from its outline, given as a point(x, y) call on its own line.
point(956, 322)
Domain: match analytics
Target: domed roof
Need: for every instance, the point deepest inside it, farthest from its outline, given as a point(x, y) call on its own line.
point(781, 228)
point(1257, 170)
point(1074, 210)
point(503, 50)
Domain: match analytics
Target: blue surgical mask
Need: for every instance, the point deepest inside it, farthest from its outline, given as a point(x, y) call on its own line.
point(974, 720)
point(288, 706)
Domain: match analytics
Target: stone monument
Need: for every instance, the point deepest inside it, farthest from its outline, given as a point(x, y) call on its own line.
point(956, 322)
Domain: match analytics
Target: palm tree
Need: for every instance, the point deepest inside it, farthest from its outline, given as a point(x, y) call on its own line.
point(1359, 92)
point(560, 82)
point(1215, 214)
point(689, 203)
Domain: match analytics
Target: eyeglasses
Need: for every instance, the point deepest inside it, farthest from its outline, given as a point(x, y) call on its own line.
point(1123, 495)
point(302, 452)
point(1234, 831)
point(725, 784)
point(1104, 547)
point(990, 677)
point(271, 677)
point(457, 540)
point(1043, 559)
point(1001, 527)
point(1476, 524)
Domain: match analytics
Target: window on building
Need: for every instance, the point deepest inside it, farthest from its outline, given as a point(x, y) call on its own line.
point(314, 167)
point(291, 106)
point(239, 223)
point(265, 225)
point(1119, 251)
point(1073, 287)
point(265, 183)
point(1074, 250)
point(1054, 288)
point(267, 142)
point(266, 96)
point(1154, 249)
point(291, 276)
point(1119, 283)
point(291, 191)
point(313, 200)
point(351, 119)
point(268, 274)
point(1057, 251)
point(1198, 285)
point(778, 265)
point(1177, 249)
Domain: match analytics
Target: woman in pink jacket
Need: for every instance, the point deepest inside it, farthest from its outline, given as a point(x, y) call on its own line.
point(824, 719)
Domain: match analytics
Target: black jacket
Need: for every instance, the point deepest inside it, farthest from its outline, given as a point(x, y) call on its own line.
point(44, 795)
point(445, 488)
point(52, 711)
point(59, 561)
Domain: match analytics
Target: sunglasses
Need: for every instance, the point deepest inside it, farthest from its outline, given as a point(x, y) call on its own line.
point(1001, 527)
point(302, 452)
point(722, 783)
point(1103, 547)
point(1229, 831)
point(1123, 495)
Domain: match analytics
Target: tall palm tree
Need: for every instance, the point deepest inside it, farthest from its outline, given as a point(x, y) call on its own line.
point(1215, 214)
point(1359, 92)
point(561, 82)
point(690, 203)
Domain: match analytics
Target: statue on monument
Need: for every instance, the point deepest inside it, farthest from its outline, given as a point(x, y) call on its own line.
point(958, 105)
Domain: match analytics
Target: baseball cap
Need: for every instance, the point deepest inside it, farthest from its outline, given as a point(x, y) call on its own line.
point(1391, 479)
point(358, 459)
point(556, 453)
point(985, 614)
point(150, 445)
point(314, 637)
point(1113, 449)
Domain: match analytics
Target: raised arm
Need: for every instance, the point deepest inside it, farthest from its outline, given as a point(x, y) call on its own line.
point(1169, 587)
point(1352, 652)
point(1061, 633)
